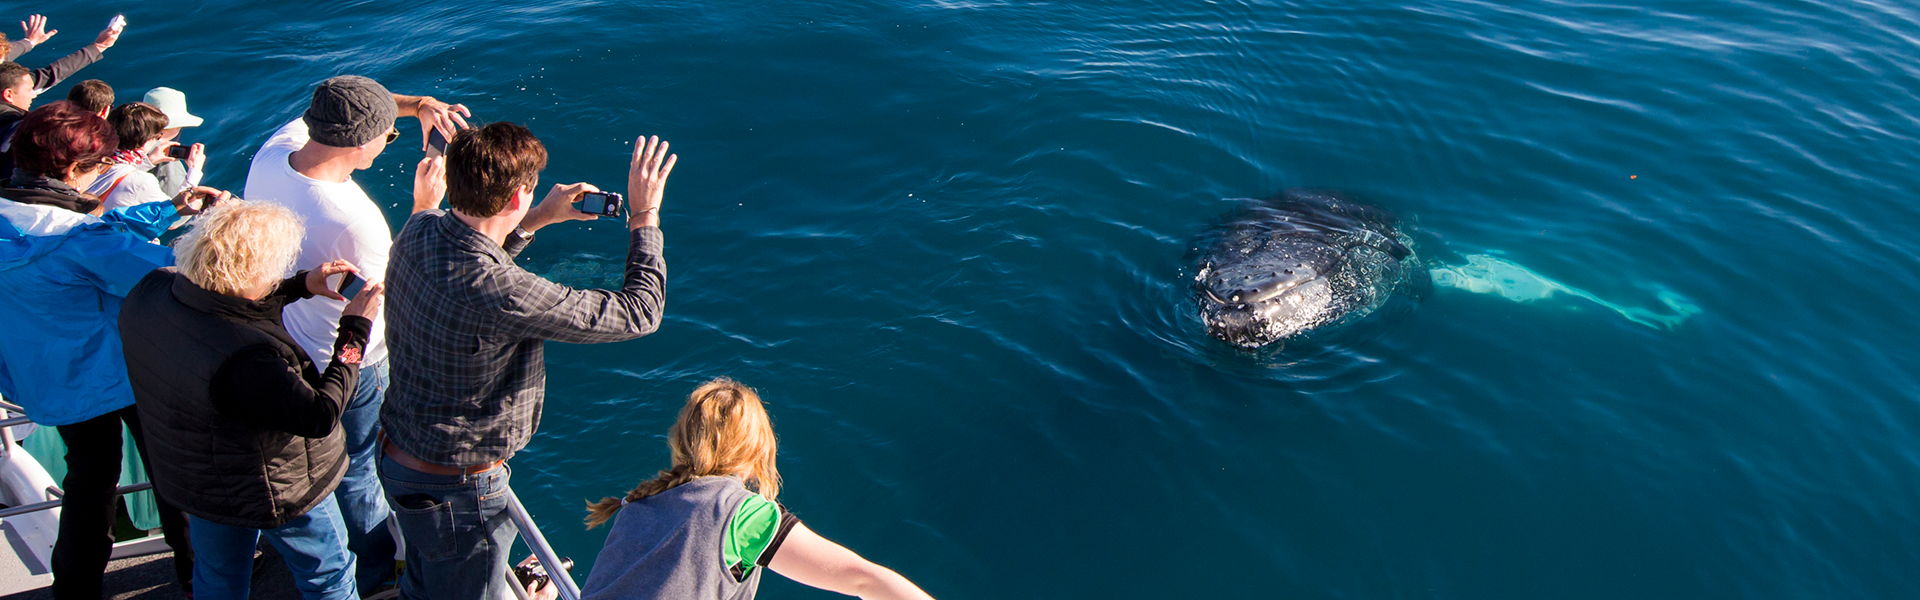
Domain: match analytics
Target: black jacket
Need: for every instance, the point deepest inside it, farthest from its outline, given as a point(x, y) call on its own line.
point(241, 428)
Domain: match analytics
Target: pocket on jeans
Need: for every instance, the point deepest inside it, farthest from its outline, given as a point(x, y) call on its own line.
point(427, 525)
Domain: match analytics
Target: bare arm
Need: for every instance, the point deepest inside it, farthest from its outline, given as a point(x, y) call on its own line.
point(810, 559)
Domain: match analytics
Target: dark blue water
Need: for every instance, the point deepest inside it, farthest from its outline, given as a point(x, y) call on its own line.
point(946, 240)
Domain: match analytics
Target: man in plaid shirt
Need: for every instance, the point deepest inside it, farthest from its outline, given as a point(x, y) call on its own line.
point(465, 330)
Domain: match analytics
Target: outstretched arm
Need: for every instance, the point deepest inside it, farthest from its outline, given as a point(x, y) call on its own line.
point(810, 559)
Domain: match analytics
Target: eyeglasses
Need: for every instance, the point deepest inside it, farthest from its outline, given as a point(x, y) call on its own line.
point(393, 135)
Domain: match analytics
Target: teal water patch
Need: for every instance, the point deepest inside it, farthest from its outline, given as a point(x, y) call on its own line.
point(586, 273)
point(1490, 275)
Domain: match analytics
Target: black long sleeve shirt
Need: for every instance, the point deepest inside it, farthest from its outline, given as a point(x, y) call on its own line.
point(260, 387)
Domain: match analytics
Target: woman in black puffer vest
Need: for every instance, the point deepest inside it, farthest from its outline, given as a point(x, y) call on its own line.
point(242, 427)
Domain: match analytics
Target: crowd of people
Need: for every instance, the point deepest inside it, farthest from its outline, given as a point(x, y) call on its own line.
point(270, 399)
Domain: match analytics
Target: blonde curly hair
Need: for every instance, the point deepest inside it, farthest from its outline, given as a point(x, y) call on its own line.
point(239, 247)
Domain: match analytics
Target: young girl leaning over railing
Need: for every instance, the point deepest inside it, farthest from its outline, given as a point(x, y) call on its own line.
point(703, 528)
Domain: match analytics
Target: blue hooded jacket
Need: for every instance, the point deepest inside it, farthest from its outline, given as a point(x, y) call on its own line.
point(64, 275)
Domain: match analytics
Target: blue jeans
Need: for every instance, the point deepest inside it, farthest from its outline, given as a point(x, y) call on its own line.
point(314, 546)
point(362, 505)
point(457, 532)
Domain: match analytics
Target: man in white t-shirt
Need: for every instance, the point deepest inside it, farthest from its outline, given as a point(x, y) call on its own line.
point(307, 166)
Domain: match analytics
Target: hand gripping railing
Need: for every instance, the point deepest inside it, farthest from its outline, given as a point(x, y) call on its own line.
point(559, 577)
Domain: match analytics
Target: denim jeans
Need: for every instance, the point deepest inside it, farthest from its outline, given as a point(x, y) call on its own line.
point(363, 506)
point(86, 520)
point(314, 546)
point(457, 532)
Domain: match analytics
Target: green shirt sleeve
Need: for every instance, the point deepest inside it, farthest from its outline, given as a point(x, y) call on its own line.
point(754, 535)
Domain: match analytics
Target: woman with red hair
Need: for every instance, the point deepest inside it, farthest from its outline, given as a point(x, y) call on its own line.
point(67, 265)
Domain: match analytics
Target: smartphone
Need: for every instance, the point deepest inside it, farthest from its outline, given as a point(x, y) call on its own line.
point(350, 286)
point(118, 23)
point(603, 204)
point(180, 151)
point(436, 143)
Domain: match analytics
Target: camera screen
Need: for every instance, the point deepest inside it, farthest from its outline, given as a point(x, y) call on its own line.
point(351, 285)
point(599, 204)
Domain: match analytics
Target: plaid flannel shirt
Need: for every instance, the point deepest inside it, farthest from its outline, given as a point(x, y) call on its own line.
point(465, 332)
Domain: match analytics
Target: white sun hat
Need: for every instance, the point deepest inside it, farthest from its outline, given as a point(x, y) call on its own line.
point(174, 104)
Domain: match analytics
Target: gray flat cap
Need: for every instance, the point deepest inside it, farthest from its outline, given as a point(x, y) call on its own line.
point(349, 110)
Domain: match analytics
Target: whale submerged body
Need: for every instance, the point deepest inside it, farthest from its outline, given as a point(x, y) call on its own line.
point(1303, 260)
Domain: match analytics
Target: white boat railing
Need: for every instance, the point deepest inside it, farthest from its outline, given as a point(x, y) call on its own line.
point(557, 574)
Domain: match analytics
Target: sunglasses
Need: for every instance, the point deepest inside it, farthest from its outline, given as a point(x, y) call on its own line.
point(393, 135)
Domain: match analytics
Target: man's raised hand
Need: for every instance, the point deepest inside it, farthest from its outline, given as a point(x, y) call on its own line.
point(36, 28)
point(647, 181)
point(434, 114)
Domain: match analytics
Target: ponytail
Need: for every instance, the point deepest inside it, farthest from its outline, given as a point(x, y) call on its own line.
point(598, 513)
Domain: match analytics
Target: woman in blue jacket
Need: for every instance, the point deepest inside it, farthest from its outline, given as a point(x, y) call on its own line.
point(66, 266)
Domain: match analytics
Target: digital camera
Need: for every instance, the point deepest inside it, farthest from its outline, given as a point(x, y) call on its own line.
point(601, 204)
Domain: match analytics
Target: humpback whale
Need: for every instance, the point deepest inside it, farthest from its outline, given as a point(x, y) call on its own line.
point(1302, 260)
point(1310, 259)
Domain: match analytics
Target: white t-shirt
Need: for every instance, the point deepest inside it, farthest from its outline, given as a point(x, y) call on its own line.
point(130, 184)
point(342, 224)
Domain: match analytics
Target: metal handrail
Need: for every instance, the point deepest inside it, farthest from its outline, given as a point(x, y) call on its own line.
point(40, 506)
point(560, 577)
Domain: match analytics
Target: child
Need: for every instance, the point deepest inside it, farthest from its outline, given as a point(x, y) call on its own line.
point(695, 531)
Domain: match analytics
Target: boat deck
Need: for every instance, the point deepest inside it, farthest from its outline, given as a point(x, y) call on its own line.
point(149, 577)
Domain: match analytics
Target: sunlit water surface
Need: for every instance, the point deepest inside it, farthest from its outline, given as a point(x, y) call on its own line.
point(947, 242)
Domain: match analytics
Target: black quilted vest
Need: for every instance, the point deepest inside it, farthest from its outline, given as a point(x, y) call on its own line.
point(176, 335)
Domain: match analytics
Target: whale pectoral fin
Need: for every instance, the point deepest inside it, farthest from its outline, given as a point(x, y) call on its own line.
point(1490, 275)
point(1397, 250)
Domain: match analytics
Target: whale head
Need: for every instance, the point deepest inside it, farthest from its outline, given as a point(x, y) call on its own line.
point(1267, 294)
point(1293, 264)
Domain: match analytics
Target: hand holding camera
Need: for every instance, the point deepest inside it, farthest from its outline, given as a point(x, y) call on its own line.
point(111, 34)
point(317, 280)
point(363, 299)
point(198, 199)
point(600, 204)
point(366, 303)
point(534, 577)
point(195, 155)
point(429, 182)
point(560, 205)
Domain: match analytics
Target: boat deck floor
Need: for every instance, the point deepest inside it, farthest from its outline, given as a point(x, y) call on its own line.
point(150, 577)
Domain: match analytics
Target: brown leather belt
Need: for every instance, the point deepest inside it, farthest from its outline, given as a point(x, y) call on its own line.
point(411, 462)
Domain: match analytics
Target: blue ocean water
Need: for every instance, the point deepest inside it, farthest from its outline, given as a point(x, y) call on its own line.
point(947, 241)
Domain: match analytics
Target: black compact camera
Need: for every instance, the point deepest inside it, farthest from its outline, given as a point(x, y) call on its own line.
point(350, 285)
point(531, 573)
point(603, 204)
point(180, 151)
point(436, 143)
